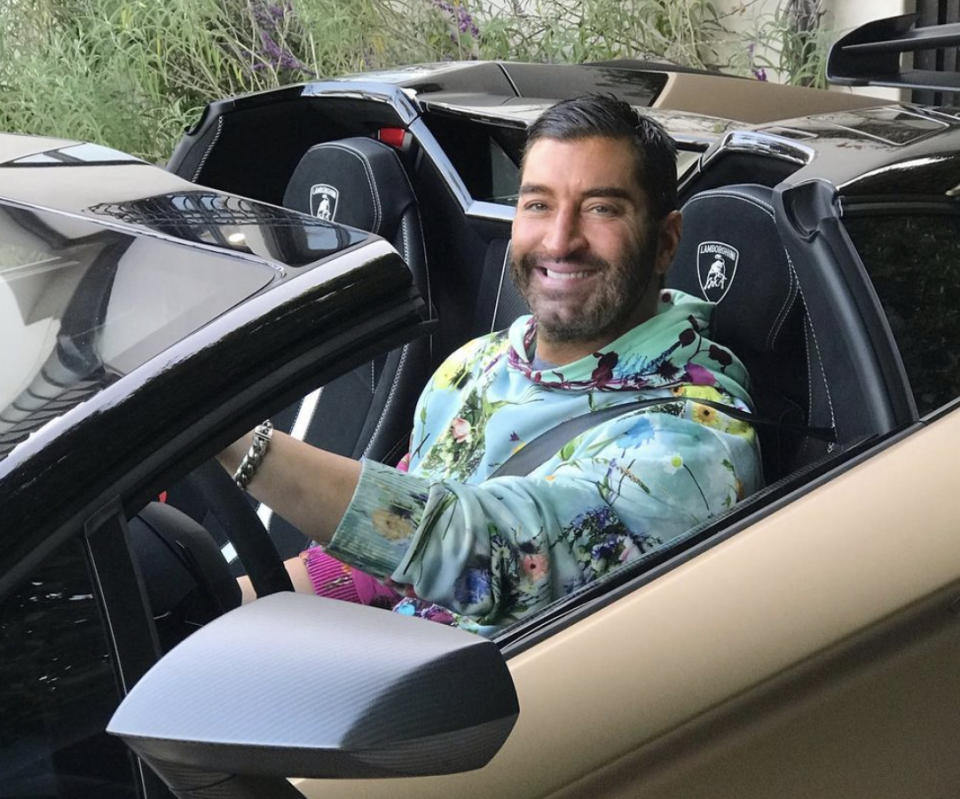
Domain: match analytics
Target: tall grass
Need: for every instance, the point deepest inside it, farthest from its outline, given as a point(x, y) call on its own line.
point(133, 74)
point(803, 41)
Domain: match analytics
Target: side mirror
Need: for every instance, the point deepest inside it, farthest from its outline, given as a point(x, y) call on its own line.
point(298, 686)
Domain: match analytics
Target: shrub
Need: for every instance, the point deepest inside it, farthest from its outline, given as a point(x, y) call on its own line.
point(132, 74)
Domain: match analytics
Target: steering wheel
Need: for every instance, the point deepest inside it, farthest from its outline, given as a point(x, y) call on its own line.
point(210, 490)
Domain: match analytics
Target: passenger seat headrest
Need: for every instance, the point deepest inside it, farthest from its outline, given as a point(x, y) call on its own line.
point(358, 182)
point(731, 253)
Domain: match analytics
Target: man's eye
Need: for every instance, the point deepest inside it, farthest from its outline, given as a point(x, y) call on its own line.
point(602, 210)
point(535, 205)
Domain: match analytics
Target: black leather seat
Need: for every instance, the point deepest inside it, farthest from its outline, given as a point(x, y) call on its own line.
point(368, 412)
point(731, 253)
point(760, 315)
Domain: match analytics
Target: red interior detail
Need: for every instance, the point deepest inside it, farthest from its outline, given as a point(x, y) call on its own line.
point(392, 136)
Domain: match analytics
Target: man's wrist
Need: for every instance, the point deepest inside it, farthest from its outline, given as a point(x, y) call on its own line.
point(250, 462)
point(231, 456)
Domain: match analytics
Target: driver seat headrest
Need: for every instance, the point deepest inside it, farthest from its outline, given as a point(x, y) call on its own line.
point(358, 182)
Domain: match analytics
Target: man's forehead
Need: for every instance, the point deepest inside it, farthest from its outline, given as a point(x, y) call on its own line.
point(589, 163)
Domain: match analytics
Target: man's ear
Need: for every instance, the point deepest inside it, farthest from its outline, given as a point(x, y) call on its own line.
point(669, 232)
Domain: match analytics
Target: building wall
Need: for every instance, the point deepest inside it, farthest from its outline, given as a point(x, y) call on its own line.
point(842, 16)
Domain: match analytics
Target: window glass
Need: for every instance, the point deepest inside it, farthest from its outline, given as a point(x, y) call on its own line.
point(914, 263)
point(59, 690)
point(85, 305)
point(504, 176)
point(486, 157)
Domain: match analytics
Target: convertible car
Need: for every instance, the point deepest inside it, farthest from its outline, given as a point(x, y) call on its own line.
point(310, 254)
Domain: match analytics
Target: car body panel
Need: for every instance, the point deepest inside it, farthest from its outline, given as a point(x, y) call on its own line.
point(632, 696)
point(643, 84)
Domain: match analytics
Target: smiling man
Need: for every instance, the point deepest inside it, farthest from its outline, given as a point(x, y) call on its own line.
point(595, 231)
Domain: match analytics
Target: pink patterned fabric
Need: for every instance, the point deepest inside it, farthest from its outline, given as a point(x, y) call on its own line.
point(333, 578)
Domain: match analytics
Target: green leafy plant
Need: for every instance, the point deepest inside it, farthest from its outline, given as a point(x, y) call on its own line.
point(132, 74)
point(792, 41)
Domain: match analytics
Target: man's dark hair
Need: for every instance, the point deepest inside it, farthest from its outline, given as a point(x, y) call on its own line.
point(605, 115)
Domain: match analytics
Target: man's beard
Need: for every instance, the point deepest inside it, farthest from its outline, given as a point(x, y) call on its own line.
point(606, 312)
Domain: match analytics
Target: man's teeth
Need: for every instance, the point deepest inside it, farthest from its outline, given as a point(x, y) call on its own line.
point(565, 275)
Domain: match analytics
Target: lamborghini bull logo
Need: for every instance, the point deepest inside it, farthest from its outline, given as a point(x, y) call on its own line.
point(323, 201)
point(716, 268)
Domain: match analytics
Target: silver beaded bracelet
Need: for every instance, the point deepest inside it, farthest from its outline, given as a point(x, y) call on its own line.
point(262, 434)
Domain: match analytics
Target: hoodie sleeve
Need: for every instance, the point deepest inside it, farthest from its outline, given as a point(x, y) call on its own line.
point(502, 549)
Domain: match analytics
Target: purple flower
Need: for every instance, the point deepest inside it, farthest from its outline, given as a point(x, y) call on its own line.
point(594, 519)
point(612, 467)
point(270, 47)
point(437, 614)
point(605, 548)
point(699, 376)
point(760, 74)
point(460, 15)
point(271, 21)
point(472, 587)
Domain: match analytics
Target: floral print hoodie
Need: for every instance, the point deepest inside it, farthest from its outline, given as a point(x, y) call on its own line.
point(493, 551)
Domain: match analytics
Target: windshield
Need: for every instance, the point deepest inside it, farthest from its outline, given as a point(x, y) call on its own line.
point(81, 305)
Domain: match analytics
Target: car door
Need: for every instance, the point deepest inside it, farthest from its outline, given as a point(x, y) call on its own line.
point(149, 354)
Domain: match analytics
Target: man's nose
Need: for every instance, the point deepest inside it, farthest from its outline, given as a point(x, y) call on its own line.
point(564, 236)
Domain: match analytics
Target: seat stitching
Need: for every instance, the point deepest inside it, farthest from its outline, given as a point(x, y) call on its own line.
point(496, 305)
point(823, 375)
point(206, 153)
point(406, 243)
point(390, 398)
point(768, 209)
point(806, 347)
point(787, 303)
point(368, 172)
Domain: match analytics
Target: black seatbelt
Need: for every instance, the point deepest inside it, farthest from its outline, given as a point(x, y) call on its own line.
point(548, 444)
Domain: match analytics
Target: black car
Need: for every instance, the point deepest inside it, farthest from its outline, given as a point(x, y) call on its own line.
point(310, 254)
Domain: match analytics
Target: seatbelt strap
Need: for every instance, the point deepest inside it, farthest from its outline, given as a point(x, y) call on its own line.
point(548, 444)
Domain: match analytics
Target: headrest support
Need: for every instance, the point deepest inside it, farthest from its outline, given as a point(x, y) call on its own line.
point(731, 253)
point(358, 182)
